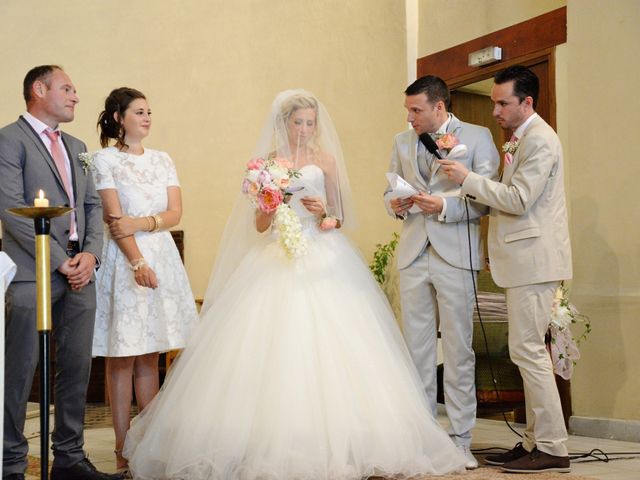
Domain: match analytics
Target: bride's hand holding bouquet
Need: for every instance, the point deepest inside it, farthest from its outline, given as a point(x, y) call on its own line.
point(266, 183)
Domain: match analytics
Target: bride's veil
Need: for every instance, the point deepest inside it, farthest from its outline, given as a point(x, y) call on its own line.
point(240, 233)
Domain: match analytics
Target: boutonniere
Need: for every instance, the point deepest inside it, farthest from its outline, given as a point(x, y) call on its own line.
point(511, 147)
point(86, 160)
point(446, 141)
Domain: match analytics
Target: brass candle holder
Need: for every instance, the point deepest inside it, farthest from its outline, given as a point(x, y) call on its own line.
point(42, 222)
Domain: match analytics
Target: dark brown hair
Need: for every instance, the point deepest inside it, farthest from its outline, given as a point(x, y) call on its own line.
point(433, 87)
point(525, 82)
point(117, 102)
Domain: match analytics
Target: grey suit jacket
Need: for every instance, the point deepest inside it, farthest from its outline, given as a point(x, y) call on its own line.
point(449, 237)
point(26, 167)
point(528, 230)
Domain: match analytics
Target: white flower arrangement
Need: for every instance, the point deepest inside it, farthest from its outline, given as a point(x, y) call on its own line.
point(511, 147)
point(289, 229)
point(564, 347)
point(86, 160)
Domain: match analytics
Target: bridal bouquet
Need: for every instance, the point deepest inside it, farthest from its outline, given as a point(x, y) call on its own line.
point(266, 183)
point(564, 348)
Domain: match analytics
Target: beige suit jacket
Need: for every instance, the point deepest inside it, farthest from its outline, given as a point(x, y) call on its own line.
point(528, 230)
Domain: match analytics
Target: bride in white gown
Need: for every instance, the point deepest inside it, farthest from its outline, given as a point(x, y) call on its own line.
point(297, 369)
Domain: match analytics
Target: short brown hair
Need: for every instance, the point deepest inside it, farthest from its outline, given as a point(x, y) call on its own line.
point(40, 73)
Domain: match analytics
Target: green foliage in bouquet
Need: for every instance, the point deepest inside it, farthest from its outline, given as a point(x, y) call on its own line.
point(382, 256)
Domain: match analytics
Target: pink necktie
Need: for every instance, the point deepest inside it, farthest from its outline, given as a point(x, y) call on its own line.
point(61, 164)
point(508, 157)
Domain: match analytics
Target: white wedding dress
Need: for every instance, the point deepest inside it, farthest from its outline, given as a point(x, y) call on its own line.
point(297, 371)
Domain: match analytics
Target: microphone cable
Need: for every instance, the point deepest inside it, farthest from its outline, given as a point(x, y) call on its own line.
point(484, 333)
point(432, 147)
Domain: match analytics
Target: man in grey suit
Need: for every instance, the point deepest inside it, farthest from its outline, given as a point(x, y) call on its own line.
point(34, 155)
point(437, 263)
point(530, 254)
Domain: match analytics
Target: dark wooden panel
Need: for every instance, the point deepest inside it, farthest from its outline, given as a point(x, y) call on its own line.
point(477, 109)
point(178, 238)
point(533, 35)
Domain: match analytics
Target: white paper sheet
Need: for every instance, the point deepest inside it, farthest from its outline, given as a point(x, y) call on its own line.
point(400, 188)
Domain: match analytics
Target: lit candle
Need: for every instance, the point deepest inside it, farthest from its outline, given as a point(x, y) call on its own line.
point(40, 201)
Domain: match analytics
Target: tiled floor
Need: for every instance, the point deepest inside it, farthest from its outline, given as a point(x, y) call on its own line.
point(488, 433)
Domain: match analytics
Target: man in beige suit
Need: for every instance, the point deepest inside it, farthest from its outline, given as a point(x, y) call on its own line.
point(530, 254)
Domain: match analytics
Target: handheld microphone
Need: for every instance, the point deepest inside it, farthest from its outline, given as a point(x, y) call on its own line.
point(430, 145)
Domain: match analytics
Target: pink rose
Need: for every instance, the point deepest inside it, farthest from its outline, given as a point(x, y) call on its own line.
point(284, 162)
point(255, 164)
point(447, 141)
point(283, 182)
point(249, 187)
point(328, 223)
point(253, 188)
point(269, 198)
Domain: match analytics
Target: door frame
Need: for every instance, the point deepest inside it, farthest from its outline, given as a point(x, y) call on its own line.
point(527, 43)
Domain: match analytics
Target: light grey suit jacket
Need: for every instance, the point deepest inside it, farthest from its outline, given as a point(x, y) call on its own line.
point(26, 167)
point(449, 237)
point(528, 231)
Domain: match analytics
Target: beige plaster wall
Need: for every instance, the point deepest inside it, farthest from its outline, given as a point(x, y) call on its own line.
point(210, 69)
point(603, 105)
point(446, 23)
point(597, 74)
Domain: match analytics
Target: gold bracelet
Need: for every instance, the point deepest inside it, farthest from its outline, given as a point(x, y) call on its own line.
point(138, 264)
point(159, 222)
point(149, 224)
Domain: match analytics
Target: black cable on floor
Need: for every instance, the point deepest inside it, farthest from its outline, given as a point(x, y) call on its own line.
point(595, 455)
point(484, 333)
point(601, 456)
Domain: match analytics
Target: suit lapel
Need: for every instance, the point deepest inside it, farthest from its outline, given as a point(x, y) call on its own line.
point(72, 165)
point(39, 144)
point(516, 156)
point(454, 127)
point(413, 159)
point(523, 138)
point(509, 170)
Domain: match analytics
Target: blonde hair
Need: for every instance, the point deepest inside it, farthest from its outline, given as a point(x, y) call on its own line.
point(297, 102)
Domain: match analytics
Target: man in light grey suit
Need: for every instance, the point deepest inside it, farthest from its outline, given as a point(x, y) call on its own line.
point(436, 261)
point(530, 254)
point(34, 155)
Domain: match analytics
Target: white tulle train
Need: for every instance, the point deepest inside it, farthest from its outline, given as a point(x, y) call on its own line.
point(297, 371)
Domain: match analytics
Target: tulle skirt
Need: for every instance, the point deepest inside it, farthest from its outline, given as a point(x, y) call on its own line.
point(297, 371)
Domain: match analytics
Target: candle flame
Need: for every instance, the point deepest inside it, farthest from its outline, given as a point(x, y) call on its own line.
point(40, 194)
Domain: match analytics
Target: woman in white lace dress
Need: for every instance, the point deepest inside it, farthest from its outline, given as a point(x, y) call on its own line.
point(144, 301)
point(297, 369)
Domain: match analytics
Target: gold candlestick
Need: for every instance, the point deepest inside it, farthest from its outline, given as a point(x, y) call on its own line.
point(42, 221)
